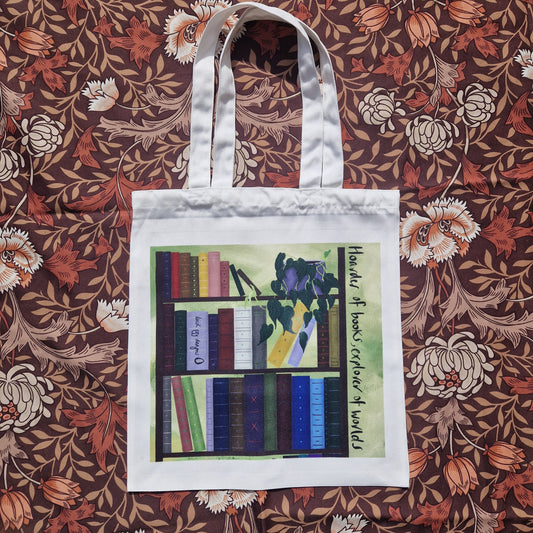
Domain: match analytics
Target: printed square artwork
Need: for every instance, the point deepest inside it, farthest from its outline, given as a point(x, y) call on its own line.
point(265, 351)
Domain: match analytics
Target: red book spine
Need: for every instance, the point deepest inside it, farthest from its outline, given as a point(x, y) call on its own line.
point(226, 339)
point(175, 274)
point(181, 412)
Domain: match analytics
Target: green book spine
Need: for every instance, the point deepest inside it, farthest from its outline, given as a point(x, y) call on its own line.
point(270, 412)
point(192, 414)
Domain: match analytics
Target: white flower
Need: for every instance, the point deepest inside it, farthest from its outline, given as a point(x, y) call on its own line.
point(215, 500)
point(525, 58)
point(42, 135)
point(184, 31)
point(244, 162)
point(102, 94)
point(378, 107)
point(10, 164)
point(112, 316)
point(430, 135)
point(456, 367)
point(23, 398)
point(353, 523)
point(182, 164)
point(477, 104)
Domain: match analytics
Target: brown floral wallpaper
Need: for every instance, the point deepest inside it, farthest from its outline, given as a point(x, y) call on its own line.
point(435, 99)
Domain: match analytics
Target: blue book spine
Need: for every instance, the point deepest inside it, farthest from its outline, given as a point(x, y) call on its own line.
point(318, 432)
point(167, 275)
point(254, 412)
point(197, 340)
point(213, 341)
point(209, 416)
point(167, 416)
point(301, 434)
point(221, 414)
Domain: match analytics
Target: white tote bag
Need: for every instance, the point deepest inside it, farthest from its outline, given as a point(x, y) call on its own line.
point(265, 341)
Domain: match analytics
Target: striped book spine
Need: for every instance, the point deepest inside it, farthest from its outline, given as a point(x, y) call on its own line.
point(297, 350)
point(185, 275)
point(209, 416)
point(181, 413)
point(332, 412)
point(175, 274)
point(195, 281)
point(270, 410)
point(167, 337)
point(203, 275)
point(284, 411)
point(180, 341)
point(214, 287)
point(236, 414)
point(242, 332)
point(322, 332)
point(197, 340)
point(225, 339)
point(254, 400)
point(213, 341)
point(221, 414)
point(317, 414)
point(334, 348)
point(301, 413)
point(224, 278)
point(259, 350)
point(166, 257)
point(166, 428)
point(193, 415)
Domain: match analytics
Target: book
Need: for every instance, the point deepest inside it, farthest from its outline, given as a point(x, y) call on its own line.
point(195, 280)
point(284, 412)
point(185, 275)
point(166, 321)
point(236, 414)
point(270, 412)
point(285, 341)
point(224, 278)
point(259, 350)
point(180, 341)
point(175, 274)
point(193, 415)
point(203, 275)
point(300, 396)
point(236, 280)
point(221, 414)
point(248, 282)
point(166, 425)
point(225, 339)
point(332, 412)
point(214, 285)
point(242, 335)
point(181, 413)
point(197, 340)
point(213, 341)
point(254, 400)
point(334, 353)
point(297, 351)
point(322, 334)
point(317, 413)
point(167, 275)
point(209, 416)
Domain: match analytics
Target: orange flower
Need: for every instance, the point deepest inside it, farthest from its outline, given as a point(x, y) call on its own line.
point(34, 42)
point(60, 490)
point(418, 459)
point(505, 456)
point(372, 18)
point(15, 509)
point(421, 28)
point(460, 474)
point(465, 11)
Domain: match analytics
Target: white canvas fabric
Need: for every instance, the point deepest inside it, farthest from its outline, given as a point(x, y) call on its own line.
point(181, 434)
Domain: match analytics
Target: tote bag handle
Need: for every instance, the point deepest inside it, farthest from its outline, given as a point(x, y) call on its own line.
point(313, 124)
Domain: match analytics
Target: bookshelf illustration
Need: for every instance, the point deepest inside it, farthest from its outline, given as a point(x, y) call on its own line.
point(246, 364)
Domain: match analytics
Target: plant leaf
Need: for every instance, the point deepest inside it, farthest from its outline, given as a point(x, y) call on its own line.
point(286, 318)
point(303, 338)
point(265, 332)
point(275, 310)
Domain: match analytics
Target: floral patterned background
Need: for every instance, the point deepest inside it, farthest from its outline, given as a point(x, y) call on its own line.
point(435, 99)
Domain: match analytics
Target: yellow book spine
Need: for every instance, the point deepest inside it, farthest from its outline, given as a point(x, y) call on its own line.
point(334, 351)
point(203, 275)
point(285, 341)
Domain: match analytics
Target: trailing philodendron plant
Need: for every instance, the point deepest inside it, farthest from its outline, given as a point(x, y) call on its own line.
point(298, 280)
